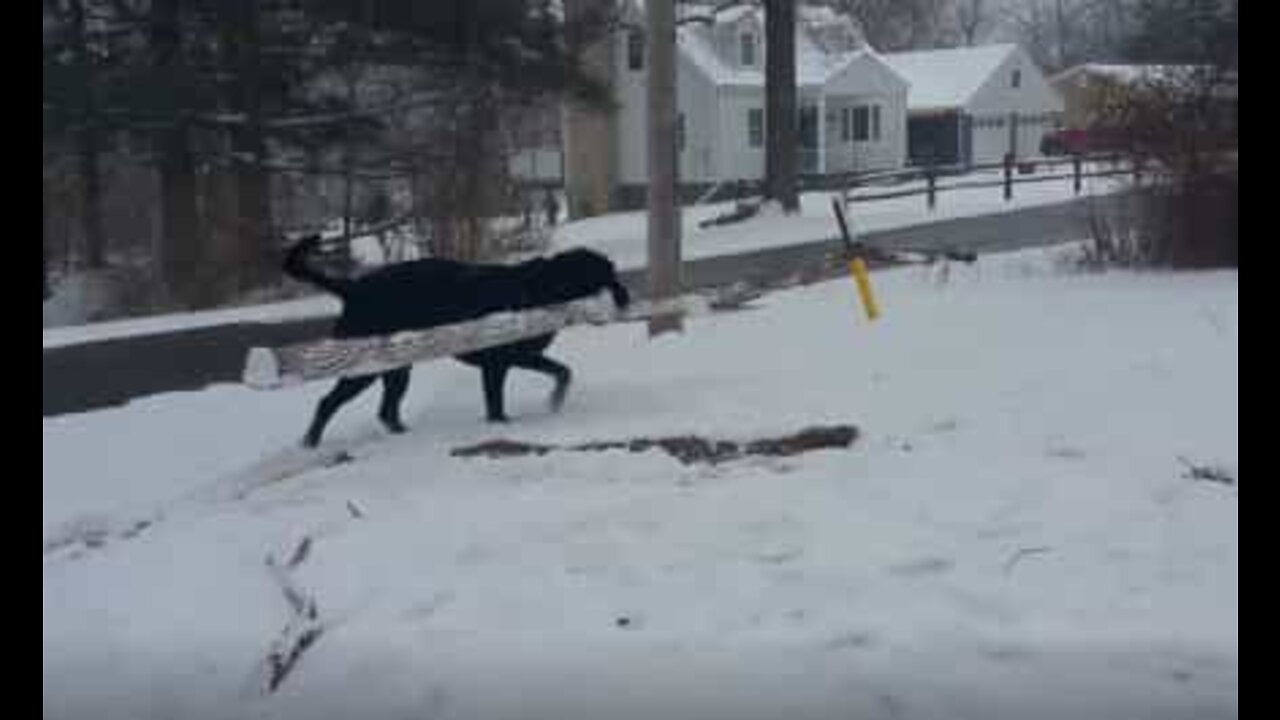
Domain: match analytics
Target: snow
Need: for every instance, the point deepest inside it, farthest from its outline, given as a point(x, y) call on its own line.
point(1131, 74)
point(622, 236)
point(1013, 535)
point(304, 309)
point(946, 78)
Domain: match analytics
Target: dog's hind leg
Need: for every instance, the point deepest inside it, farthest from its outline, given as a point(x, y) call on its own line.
point(341, 394)
point(495, 377)
point(394, 384)
point(558, 372)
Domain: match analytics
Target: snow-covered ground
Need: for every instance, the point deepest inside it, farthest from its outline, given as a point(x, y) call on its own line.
point(1014, 535)
point(623, 235)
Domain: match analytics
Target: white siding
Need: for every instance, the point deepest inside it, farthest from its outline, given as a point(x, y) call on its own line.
point(867, 82)
point(696, 99)
point(739, 161)
point(1034, 100)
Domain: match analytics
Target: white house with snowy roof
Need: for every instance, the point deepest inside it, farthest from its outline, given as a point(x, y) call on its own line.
point(852, 104)
point(974, 104)
point(859, 110)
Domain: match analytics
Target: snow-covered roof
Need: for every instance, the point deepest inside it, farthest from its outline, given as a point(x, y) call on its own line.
point(814, 65)
point(947, 78)
point(699, 49)
point(1126, 74)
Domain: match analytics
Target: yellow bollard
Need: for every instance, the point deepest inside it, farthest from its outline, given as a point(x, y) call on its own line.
point(858, 269)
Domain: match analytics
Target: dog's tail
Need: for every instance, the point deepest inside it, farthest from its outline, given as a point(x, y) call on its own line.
point(297, 267)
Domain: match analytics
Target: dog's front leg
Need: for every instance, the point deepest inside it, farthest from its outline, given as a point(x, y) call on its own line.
point(495, 377)
point(558, 372)
point(341, 394)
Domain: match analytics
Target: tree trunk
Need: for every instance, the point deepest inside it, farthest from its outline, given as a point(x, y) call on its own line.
point(44, 235)
point(780, 103)
point(588, 131)
point(249, 261)
point(180, 245)
point(88, 147)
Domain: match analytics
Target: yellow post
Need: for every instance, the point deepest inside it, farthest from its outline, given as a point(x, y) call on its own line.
point(858, 269)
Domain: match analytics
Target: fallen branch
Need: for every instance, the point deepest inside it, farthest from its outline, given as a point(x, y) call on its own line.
point(300, 553)
point(1021, 553)
point(688, 449)
point(304, 627)
point(1206, 473)
point(741, 212)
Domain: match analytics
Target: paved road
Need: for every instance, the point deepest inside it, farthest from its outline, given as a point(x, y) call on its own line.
point(111, 372)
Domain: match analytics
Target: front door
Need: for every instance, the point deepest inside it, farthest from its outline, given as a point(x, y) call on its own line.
point(808, 136)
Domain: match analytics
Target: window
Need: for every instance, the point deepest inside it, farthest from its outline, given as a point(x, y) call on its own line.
point(635, 50)
point(755, 127)
point(748, 51)
point(861, 123)
point(680, 132)
point(875, 122)
point(1016, 80)
point(846, 124)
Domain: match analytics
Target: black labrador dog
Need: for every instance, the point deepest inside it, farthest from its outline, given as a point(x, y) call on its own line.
point(427, 293)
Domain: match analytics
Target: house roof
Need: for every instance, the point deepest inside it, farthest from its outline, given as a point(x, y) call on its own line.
point(1225, 84)
point(1126, 74)
point(814, 66)
point(947, 78)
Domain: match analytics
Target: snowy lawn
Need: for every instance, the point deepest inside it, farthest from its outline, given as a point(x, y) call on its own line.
point(1013, 535)
point(623, 235)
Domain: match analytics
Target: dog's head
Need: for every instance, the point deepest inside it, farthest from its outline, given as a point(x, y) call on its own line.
point(572, 275)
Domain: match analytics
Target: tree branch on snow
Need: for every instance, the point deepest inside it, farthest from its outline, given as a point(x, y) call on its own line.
point(1021, 553)
point(304, 627)
point(1206, 473)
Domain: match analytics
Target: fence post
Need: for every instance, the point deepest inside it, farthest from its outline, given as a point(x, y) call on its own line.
point(1077, 163)
point(1008, 176)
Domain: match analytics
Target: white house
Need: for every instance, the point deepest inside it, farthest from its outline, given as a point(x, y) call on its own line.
point(852, 104)
point(973, 105)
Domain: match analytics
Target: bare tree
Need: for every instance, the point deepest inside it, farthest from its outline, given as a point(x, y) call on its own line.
point(780, 103)
point(972, 17)
point(1062, 33)
point(181, 240)
point(896, 25)
point(89, 141)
